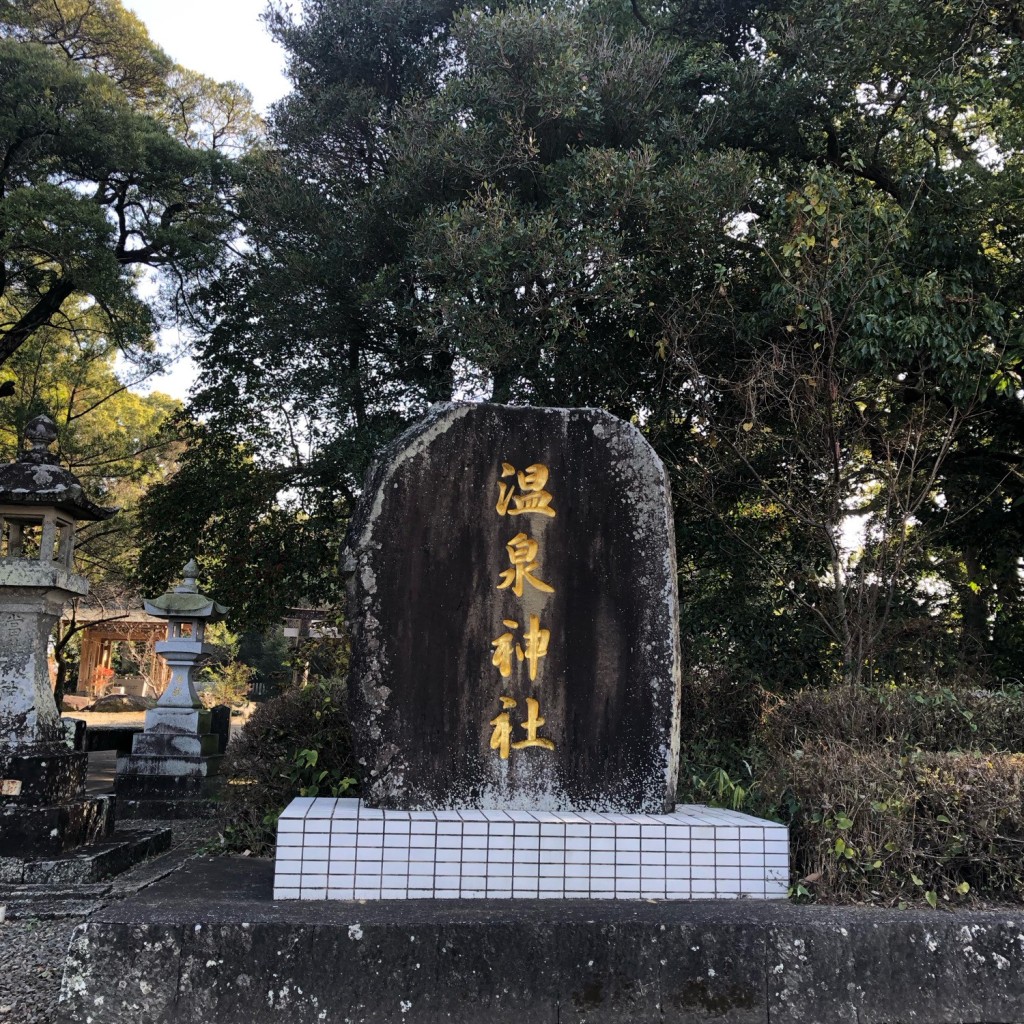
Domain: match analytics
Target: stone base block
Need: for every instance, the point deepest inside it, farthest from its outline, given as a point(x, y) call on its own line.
point(166, 810)
point(118, 852)
point(179, 766)
point(208, 944)
point(48, 775)
point(341, 849)
point(27, 831)
point(143, 785)
point(166, 797)
point(184, 721)
point(175, 746)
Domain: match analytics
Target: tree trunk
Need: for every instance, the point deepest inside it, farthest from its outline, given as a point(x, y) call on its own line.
point(62, 677)
point(973, 609)
point(851, 664)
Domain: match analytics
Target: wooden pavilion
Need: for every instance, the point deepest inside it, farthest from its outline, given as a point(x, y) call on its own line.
point(106, 630)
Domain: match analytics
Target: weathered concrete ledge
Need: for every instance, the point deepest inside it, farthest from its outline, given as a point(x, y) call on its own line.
point(208, 944)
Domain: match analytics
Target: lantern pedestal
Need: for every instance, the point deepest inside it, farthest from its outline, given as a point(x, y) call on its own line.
point(42, 810)
point(34, 596)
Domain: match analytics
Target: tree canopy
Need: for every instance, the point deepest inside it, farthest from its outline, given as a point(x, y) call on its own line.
point(784, 238)
point(115, 163)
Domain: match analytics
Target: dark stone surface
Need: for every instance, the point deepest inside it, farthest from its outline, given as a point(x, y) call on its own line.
point(111, 737)
point(48, 774)
point(428, 559)
point(173, 745)
point(167, 809)
point(220, 726)
point(101, 859)
point(208, 944)
point(137, 785)
point(32, 831)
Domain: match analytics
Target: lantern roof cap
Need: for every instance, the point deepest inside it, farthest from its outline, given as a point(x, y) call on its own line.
point(184, 601)
point(36, 479)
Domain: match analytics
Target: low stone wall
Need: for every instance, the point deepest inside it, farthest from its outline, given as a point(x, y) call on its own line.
point(208, 945)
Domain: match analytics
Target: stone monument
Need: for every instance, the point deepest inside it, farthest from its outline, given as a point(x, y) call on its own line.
point(513, 613)
point(515, 678)
point(172, 771)
point(49, 828)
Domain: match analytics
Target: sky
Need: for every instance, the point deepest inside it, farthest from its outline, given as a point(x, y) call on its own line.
point(225, 40)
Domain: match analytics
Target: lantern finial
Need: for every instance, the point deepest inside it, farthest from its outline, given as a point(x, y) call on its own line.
point(40, 433)
point(188, 582)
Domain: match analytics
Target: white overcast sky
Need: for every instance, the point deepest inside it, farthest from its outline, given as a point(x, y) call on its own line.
point(225, 40)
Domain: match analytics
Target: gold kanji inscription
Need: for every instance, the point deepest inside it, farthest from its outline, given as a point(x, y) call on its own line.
point(502, 656)
point(531, 725)
point(522, 553)
point(532, 496)
point(502, 729)
point(502, 735)
point(537, 641)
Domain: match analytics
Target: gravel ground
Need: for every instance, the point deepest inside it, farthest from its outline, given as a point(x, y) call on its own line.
point(31, 963)
point(32, 950)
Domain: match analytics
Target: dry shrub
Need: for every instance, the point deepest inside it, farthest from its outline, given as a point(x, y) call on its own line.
point(297, 744)
point(718, 710)
point(929, 718)
point(870, 824)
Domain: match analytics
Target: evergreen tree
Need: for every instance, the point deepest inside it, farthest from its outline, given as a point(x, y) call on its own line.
point(115, 162)
point(784, 238)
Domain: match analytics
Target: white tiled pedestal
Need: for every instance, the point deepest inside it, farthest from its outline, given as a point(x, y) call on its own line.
point(339, 849)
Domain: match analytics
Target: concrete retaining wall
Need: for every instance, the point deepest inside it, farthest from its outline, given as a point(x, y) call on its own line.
point(208, 945)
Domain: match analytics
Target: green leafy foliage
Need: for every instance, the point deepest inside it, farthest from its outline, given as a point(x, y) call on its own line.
point(309, 779)
point(260, 551)
point(782, 238)
point(892, 796)
point(226, 684)
point(933, 719)
point(297, 744)
point(115, 161)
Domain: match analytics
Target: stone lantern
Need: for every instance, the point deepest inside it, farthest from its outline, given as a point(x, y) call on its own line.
point(42, 807)
point(173, 766)
point(39, 505)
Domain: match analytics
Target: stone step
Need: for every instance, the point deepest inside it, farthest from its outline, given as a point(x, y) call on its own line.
point(35, 832)
point(92, 863)
point(176, 769)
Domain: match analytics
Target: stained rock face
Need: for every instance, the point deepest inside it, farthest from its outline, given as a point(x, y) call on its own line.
point(513, 602)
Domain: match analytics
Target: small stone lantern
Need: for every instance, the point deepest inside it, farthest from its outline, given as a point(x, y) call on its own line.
point(187, 612)
point(42, 806)
point(172, 767)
